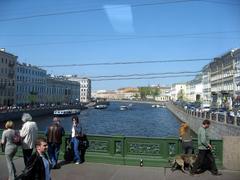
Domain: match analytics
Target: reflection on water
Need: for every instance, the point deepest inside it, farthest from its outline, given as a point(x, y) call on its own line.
point(140, 120)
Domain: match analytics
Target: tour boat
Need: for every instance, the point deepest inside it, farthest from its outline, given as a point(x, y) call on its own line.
point(66, 112)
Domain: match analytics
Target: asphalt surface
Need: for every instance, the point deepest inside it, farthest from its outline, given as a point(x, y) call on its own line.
point(97, 171)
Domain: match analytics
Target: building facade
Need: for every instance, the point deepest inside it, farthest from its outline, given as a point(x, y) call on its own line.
point(194, 89)
point(60, 90)
point(7, 78)
point(30, 84)
point(206, 82)
point(222, 80)
point(178, 91)
point(85, 88)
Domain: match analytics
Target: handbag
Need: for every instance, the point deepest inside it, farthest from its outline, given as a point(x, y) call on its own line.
point(17, 139)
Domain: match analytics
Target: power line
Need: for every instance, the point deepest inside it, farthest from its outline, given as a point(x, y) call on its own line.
point(127, 62)
point(143, 74)
point(222, 2)
point(152, 77)
point(132, 36)
point(93, 10)
point(191, 35)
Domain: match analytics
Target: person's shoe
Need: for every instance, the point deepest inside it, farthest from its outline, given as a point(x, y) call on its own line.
point(217, 174)
point(57, 166)
point(77, 162)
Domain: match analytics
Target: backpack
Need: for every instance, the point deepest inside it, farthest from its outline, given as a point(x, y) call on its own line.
point(17, 139)
point(68, 154)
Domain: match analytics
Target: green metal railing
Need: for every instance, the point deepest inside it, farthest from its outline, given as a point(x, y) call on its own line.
point(130, 150)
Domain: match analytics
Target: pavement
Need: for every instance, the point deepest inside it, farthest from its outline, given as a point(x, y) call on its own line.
point(98, 171)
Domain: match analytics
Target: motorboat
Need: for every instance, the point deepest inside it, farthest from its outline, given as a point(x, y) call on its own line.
point(101, 106)
point(66, 112)
point(123, 108)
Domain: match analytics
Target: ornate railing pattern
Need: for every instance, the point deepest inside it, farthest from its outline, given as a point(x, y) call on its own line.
point(130, 150)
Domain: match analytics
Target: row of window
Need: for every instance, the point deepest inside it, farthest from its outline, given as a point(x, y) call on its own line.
point(6, 71)
point(6, 82)
point(28, 79)
point(7, 93)
point(30, 71)
point(5, 61)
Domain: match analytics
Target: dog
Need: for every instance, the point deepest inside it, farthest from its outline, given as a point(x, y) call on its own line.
point(182, 161)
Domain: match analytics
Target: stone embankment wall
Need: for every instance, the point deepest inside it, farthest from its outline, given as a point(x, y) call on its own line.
point(17, 114)
point(217, 129)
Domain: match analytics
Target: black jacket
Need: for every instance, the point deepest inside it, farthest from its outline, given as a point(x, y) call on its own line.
point(35, 169)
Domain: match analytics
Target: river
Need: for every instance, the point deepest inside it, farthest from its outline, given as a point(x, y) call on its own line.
point(140, 120)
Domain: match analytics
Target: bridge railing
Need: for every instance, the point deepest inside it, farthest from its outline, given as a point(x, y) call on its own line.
point(126, 150)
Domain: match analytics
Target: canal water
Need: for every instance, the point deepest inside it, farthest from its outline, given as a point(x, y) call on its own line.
point(140, 120)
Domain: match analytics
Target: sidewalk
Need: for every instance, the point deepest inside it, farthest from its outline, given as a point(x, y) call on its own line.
point(94, 171)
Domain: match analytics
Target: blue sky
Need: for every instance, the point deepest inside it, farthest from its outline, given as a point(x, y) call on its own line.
point(84, 37)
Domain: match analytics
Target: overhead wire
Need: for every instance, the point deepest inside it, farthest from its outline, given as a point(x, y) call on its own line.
point(93, 10)
point(126, 62)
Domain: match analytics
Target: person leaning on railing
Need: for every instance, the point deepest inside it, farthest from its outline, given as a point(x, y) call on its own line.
point(186, 139)
point(76, 133)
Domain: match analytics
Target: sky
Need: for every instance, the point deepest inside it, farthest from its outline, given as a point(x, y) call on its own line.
point(48, 33)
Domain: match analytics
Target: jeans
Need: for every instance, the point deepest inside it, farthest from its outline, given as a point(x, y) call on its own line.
point(26, 155)
point(77, 153)
point(187, 147)
point(53, 152)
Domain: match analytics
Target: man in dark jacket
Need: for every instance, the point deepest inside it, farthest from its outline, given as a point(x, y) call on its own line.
point(38, 166)
point(54, 135)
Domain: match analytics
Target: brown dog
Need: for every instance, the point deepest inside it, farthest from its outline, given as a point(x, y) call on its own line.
point(182, 161)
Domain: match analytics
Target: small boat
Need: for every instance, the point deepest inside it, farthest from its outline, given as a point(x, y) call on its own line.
point(101, 106)
point(123, 108)
point(158, 106)
point(66, 112)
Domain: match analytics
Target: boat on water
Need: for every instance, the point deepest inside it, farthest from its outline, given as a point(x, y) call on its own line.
point(123, 108)
point(101, 106)
point(158, 106)
point(66, 112)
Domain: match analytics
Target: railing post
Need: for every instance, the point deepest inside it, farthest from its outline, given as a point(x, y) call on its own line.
point(235, 120)
point(225, 118)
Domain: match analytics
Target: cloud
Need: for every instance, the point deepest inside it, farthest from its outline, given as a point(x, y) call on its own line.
point(120, 17)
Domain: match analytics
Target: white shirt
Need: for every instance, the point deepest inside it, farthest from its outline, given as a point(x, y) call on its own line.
point(29, 134)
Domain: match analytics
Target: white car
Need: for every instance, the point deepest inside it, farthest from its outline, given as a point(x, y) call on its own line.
point(205, 109)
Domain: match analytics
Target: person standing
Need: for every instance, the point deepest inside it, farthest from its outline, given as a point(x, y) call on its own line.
point(205, 152)
point(54, 134)
point(76, 133)
point(38, 166)
point(29, 134)
point(186, 139)
point(10, 148)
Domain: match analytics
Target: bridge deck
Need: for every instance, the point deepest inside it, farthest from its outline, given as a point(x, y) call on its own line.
point(94, 171)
